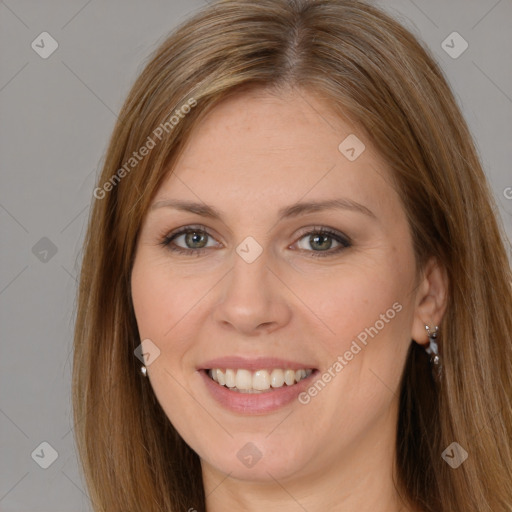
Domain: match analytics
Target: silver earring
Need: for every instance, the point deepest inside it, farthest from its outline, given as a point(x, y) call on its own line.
point(144, 371)
point(433, 351)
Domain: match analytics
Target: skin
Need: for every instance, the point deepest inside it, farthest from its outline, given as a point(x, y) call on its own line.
point(254, 154)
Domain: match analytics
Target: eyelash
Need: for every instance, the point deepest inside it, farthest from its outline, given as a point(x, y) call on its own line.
point(344, 241)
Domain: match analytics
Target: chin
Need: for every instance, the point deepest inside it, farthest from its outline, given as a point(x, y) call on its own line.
point(257, 459)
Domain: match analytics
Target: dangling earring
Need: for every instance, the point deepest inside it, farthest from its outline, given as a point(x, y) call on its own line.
point(144, 371)
point(433, 351)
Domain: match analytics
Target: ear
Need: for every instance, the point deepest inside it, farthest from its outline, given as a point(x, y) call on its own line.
point(431, 300)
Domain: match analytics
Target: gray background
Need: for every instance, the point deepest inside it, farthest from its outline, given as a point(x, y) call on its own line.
point(56, 117)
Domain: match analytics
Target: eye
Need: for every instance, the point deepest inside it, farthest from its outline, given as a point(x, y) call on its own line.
point(193, 239)
point(321, 240)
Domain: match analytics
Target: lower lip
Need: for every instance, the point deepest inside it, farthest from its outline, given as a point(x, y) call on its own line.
point(255, 403)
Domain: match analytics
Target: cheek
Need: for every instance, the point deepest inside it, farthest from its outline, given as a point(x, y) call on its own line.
point(367, 313)
point(150, 302)
point(161, 298)
point(351, 299)
point(161, 310)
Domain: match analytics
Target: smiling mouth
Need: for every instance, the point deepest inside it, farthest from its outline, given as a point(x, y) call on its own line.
point(260, 381)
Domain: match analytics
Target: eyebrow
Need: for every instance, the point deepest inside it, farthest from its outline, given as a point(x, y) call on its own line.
point(294, 210)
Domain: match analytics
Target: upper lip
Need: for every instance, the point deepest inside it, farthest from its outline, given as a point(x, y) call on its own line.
point(256, 363)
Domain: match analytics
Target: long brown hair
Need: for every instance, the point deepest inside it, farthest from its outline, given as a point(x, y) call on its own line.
point(375, 72)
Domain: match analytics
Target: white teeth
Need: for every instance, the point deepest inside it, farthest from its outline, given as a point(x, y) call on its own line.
point(289, 377)
point(261, 380)
point(229, 377)
point(245, 381)
point(277, 378)
point(300, 374)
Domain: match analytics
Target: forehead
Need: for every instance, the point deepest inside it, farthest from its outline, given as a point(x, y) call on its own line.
point(265, 148)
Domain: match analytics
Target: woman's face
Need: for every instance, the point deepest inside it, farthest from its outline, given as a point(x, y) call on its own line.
point(255, 289)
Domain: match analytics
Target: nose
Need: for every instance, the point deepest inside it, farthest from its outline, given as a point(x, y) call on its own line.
point(252, 298)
